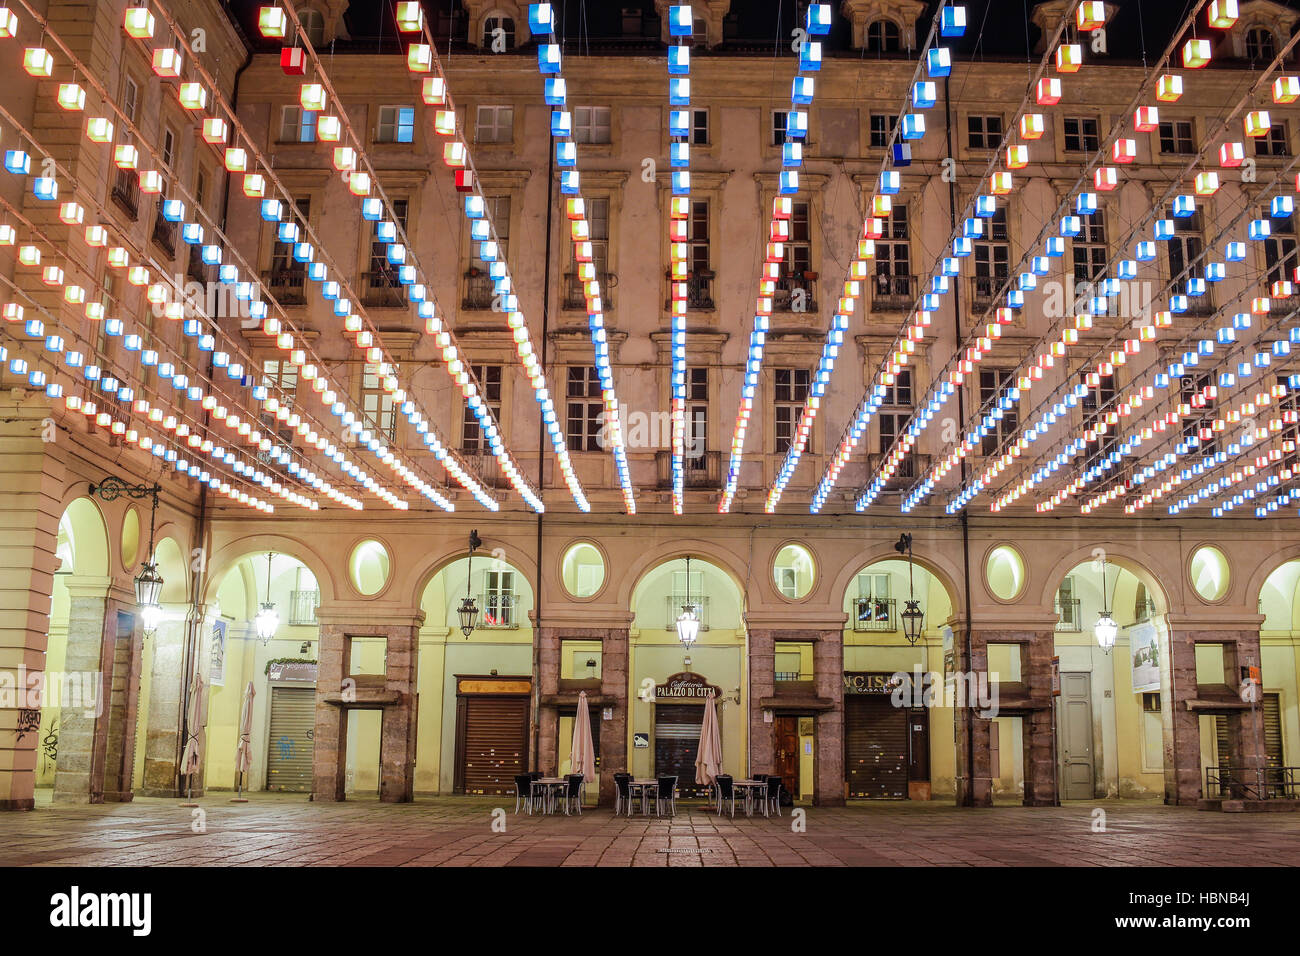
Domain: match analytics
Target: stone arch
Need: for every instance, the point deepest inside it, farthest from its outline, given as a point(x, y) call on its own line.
point(417, 580)
point(1264, 570)
point(935, 565)
point(1139, 566)
point(226, 557)
point(725, 561)
point(90, 538)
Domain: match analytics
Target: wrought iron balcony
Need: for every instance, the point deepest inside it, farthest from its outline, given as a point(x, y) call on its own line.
point(984, 290)
point(126, 192)
point(912, 465)
point(575, 298)
point(892, 293)
point(480, 291)
point(288, 286)
point(795, 293)
point(196, 268)
point(164, 233)
point(698, 471)
point(381, 289)
point(498, 610)
point(1067, 613)
point(673, 606)
point(875, 614)
point(302, 607)
point(699, 294)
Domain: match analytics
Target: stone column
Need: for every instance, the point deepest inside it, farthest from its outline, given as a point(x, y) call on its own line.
point(1038, 730)
point(828, 736)
point(122, 644)
point(400, 723)
point(32, 477)
point(762, 684)
point(330, 732)
point(162, 743)
point(79, 772)
point(974, 757)
point(1181, 726)
point(614, 660)
point(1245, 727)
point(548, 718)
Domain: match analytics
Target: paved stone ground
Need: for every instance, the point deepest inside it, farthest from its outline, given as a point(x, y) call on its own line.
point(287, 830)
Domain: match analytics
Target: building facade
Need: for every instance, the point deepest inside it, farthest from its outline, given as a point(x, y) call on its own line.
point(802, 637)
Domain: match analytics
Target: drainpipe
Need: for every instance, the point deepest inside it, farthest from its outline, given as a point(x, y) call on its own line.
point(967, 798)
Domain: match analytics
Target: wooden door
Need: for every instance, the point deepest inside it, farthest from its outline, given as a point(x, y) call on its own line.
point(785, 753)
point(492, 745)
point(1074, 736)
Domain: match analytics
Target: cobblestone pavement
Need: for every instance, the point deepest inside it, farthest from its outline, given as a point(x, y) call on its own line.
point(287, 830)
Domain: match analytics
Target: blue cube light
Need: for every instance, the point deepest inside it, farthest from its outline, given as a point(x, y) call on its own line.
point(548, 58)
point(1235, 251)
point(818, 21)
point(924, 94)
point(679, 60)
point(938, 62)
point(679, 91)
point(810, 56)
point(541, 18)
point(680, 20)
point(679, 122)
point(913, 126)
point(1260, 229)
point(953, 22)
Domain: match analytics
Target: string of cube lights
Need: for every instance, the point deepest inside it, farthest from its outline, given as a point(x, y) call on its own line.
point(423, 58)
point(354, 164)
point(54, 276)
point(1090, 16)
point(72, 213)
point(948, 22)
point(1206, 184)
point(39, 63)
point(541, 20)
point(1184, 205)
point(139, 23)
point(56, 340)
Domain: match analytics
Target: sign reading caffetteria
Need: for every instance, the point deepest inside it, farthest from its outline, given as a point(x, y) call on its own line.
point(685, 686)
point(870, 683)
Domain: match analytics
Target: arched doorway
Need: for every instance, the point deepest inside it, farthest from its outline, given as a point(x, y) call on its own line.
point(898, 722)
point(668, 681)
point(1279, 602)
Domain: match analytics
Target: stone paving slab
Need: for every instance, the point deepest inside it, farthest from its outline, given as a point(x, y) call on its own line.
point(289, 830)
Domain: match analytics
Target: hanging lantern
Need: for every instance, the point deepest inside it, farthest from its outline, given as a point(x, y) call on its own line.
point(138, 23)
point(167, 62)
point(38, 62)
point(72, 97)
point(1090, 15)
point(1032, 126)
point(1069, 57)
point(1223, 13)
point(410, 16)
point(1146, 119)
point(193, 96)
point(1105, 630)
point(214, 130)
point(268, 619)
point(1286, 89)
point(1196, 53)
point(99, 129)
point(293, 61)
point(1048, 91)
point(468, 610)
point(688, 622)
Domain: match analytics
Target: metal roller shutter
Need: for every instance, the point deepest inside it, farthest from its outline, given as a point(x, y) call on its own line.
point(875, 747)
point(496, 743)
point(1271, 710)
point(677, 741)
point(289, 749)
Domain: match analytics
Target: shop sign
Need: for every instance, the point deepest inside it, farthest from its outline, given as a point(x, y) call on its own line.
point(862, 683)
point(685, 686)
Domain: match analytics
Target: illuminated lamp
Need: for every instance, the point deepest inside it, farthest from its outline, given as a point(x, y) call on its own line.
point(254, 185)
point(193, 96)
point(1196, 53)
point(72, 97)
point(1105, 178)
point(444, 122)
point(1090, 15)
point(293, 61)
point(938, 62)
point(1222, 14)
point(953, 23)
point(38, 62)
point(1069, 57)
point(73, 214)
point(419, 58)
point(434, 91)
point(236, 159)
point(1231, 155)
point(52, 275)
point(1286, 89)
point(1017, 156)
point(167, 62)
point(272, 22)
point(99, 129)
point(925, 92)
point(214, 131)
point(329, 129)
point(1124, 150)
point(138, 23)
point(1207, 183)
point(1169, 88)
point(1146, 119)
point(18, 162)
point(45, 187)
point(151, 181)
point(359, 184)
point(453, 153)
point(1258, 123)
point(96, 236)
point(1032, 126)
point(410, 16)
point(1048, 91)
point(345, 158)
point(312, 97)
point(1000, 183)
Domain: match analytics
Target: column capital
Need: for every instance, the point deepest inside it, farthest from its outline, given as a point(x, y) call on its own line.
point(88, 585)
point(1196, 619)
point(368, 618)
point(797, 623)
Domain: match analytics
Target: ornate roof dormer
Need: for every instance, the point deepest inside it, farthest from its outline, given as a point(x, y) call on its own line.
point(708, 20)
point(1047, 17)
point(1262, 28)
point(883, 26)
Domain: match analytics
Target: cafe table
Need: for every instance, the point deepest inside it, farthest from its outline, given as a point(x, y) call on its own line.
point(547, 787)
point(645, 785)
point(749, 787)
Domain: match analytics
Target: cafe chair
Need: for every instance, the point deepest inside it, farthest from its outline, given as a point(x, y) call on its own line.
point(773, 796)
point(524, 792)
point(622, 792)
point(573, 793)
point(666, 793)
point(726, 791)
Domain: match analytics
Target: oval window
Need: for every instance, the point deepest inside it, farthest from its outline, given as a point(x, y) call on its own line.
point(793, 572)
point(1210, 573)
point(1005, 573)
point(369, 567)
point(583, 570)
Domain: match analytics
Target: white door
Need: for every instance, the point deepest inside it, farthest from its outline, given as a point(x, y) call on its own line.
point(1074, 736)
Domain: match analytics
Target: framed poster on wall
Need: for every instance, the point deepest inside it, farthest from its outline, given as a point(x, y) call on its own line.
point(1145, 649)
point(217, 662)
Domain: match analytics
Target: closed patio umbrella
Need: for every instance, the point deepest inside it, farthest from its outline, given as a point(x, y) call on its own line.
point(244, 751)
point(190, 757)
point(582, 757)
point(708, 760)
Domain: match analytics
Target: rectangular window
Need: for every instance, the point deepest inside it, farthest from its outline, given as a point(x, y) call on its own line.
point(1274, 142)
point(992, 256)
point(130, 98)
point(591, 124)
point(1185, 248)
point(396, 124)
point(899, 395)
point(697, 417)
point(984, 132)
point(586, 409)
point(499, 599)
point(798, 248)
point(790, 394)
point(1089, 248)
point(598, 221)
point(1197, 429)
point(494, 124)
point(882, 125)
point(1096, 402)
point(382, 272)
point(377, 404)
point(1176, 137)
point(893, 288)
point(779, 118)
point(1081, 134)
point(473, 441)
point(168, 146)
point(699, 128)
point(201, 188)
point(1280, 250)
point(297, 125)
point(281, 376)
point(993, 382)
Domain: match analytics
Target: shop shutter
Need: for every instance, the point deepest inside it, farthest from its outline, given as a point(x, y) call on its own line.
point(875, 747)
point(289, 749)
point(496, 743)
point(677, 741)
point(1271, 708)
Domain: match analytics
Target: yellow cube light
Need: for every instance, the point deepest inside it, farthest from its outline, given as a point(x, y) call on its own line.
point(236, 159)
point(1196, 53)
point(1049, 91)
point(419, 58)
point(444, 122)
point(1090, 15)
point(1207, 183)
point(1169, 88)
point(345, 158)
point(126, 156)
point(1032, 126)
point(866, 248)
point(137, 275)
point(38, 62)
point(215, 131)
point(434, 91)
point(881, 205)
point(1223, 14)
point(1259, 306)
point(1069, 57)
point(329, 129)
point(52, 275)
point(679, 207)
point(150, 181)
point(8, 24)
point(96, 236)
point(312, 97)
point(1286, 89)
point(272, 22)
point(167, 62)
point(138, 23)
point(99, 129)
point(193, 96)
point(118, 257)
point(1124, 150)
point(410, 16)
point(29, 255)
point(74, 294)
point(453, 154)
point(359, 184)
point(254, 185)
point(156, 293)
point(1258, 123)
point(72, 97)
point(1000, 183)
point(1017, 156)
point(72, 213)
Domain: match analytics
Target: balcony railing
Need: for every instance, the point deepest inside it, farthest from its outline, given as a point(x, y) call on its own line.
point(484, 464)
point(164, 233)
point(288, 286)
point(575, 298)
point(498, 610)
point(892, 293)
point(126, 192)
point(1067, 615)
point(875, 614)
point(795, 294)
point(196, 268)
point(912, 465)
point(792, 676)
point(302, 607)
point(480, 292)
point(673, 606)
point(984, 289)
point(700, 471)
point(1200, 305)
point(1261, 783)
point(699, 294)
point(1144, 611)
point(381, 289)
